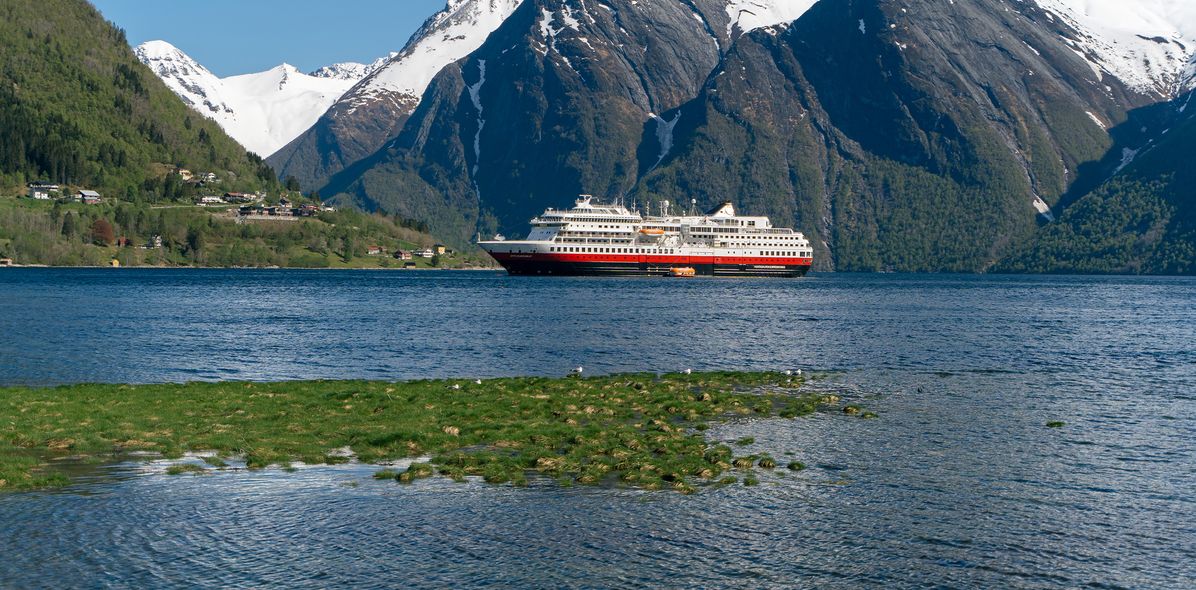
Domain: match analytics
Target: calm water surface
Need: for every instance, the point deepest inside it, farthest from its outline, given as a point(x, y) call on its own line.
point(958, 484)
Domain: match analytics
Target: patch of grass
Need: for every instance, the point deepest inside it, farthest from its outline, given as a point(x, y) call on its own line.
point(1055, 424)
point(416, 471)
point(386, 474)
point(639, 430)
point(751, 481)
point(215, 461)
point(796, 466)
point(184, 468)
point(745, 441)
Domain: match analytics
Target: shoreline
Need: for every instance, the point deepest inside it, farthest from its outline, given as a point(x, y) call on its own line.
point(471, 269)
point(812, 273)
point(640, 430)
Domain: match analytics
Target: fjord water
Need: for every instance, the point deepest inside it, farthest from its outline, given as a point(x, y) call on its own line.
point(959, 483)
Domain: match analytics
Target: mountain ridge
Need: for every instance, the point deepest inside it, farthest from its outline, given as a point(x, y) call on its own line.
point(263, 110)
point(375, 109)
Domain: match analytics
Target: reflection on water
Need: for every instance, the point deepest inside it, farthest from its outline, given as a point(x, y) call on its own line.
point(958, 484)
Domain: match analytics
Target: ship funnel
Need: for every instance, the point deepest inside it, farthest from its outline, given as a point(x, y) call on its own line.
point(726, 209)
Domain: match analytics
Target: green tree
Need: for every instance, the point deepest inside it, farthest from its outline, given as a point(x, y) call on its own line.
point(195, 241)
point(70, 226)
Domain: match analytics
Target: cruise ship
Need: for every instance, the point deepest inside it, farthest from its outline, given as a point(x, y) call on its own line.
point(610, 239)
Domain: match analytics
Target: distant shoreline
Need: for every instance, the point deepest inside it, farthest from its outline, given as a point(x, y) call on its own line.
point(419, 269)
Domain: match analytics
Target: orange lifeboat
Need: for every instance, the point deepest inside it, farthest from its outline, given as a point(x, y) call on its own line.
point(683, 271)
point(652, 231)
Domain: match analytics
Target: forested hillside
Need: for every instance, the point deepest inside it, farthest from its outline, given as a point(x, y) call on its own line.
point(77, 108)
point(139, 234)
point(1143, 220)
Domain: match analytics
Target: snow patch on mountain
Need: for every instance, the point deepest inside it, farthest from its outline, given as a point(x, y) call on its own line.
point(352, 70)
point(1150, 45)
point(748, 15)
point(262, 111)
point(475, 96)
point(449, 35)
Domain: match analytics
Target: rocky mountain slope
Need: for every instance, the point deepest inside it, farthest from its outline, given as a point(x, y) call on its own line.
point(557, 100)
point(1149, 45)
point(263, 111)
point(901, 135)
point(374, 110)
point(1142, 219)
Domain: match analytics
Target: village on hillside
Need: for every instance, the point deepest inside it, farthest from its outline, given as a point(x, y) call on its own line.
point(283, 229)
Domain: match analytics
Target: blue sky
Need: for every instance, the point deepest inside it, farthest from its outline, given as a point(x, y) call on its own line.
point(241, 36)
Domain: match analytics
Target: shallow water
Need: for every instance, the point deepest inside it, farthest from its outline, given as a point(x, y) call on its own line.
point(958, 484)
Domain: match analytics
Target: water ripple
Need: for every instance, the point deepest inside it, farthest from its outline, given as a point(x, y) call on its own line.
point(957, 484)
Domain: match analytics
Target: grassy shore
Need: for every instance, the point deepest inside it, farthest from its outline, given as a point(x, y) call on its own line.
point(638, 430)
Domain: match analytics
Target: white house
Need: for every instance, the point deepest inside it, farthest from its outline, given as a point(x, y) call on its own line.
point(89, 197)
point(211, 200)
point(425, 253)
point(42, 191)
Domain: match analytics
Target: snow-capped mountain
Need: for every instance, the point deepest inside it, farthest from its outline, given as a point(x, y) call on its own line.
point(375, 109)
point(748, 15)
point(449, 35)
point(1150, 45)
point(197, 86)
point(262, 111)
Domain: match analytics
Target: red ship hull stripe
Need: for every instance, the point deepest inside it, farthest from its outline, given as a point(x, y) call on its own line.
point(651, 259)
